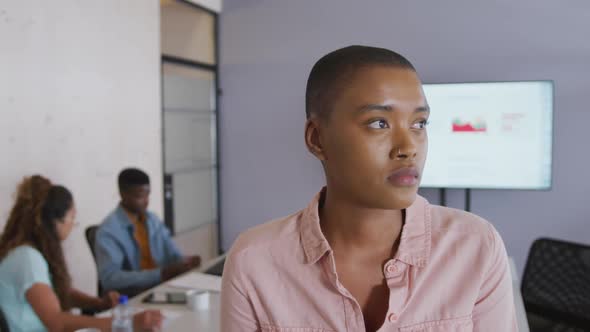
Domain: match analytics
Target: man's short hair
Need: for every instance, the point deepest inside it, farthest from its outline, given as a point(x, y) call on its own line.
point(334, 68)
point(131, 177)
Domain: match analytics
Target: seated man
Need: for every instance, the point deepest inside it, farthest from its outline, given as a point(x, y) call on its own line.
point(134, 250)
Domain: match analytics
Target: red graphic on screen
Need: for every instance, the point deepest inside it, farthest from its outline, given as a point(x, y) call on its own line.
point(459, 126)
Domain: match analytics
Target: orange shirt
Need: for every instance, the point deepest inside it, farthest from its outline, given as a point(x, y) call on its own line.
point(146, 261)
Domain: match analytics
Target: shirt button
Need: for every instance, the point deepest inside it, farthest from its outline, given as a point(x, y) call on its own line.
point(392, 317)
point(391, 269)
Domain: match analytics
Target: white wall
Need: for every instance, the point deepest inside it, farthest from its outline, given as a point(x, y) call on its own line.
point(79, 100)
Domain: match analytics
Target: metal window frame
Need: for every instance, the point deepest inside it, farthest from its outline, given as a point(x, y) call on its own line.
point(214, 68)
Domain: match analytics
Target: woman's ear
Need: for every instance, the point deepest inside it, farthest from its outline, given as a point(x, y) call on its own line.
point(313, 138)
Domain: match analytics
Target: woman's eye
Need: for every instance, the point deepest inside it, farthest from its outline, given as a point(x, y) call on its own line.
point(379, 124)
point(420, 124)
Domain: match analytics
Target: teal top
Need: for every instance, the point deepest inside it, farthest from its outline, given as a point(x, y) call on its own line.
point(23, 267)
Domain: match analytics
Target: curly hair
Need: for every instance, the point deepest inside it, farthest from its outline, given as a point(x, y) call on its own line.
point(38, 206)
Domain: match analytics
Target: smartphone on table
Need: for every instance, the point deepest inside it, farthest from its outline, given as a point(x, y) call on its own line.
point(159, 297)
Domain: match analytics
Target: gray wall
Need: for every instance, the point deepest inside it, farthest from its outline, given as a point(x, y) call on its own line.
point(268, 48)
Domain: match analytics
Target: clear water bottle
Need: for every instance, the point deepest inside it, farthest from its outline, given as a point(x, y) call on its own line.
point(122, 317)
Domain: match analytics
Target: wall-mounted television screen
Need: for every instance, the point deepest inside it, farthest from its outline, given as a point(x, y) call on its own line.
point(489, 135)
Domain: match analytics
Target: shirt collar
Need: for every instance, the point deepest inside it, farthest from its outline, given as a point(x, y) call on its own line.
point(313, 241)
point(134, 218)
point(127, 218)
point(415, 242)
point(416, 237)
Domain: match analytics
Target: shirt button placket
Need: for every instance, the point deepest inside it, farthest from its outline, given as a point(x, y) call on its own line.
point(395, 272)
point(392, 317)
point(391, 268)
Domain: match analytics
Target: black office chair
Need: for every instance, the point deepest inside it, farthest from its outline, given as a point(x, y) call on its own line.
point(556, 286)
point(3, 322)
point(91, 238)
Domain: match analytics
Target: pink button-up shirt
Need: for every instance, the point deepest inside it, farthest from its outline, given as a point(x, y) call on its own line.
point(450, 273)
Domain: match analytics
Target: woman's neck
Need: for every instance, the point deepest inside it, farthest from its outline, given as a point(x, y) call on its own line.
point(352, 228)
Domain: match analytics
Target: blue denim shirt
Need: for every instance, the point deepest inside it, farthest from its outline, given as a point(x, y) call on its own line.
point(118, 256)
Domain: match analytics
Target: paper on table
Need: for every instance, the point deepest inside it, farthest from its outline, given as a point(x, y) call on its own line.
point(169, 315)
point(196, 280)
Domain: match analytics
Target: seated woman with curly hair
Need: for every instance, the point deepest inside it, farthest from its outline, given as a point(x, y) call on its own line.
point(35, 286)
